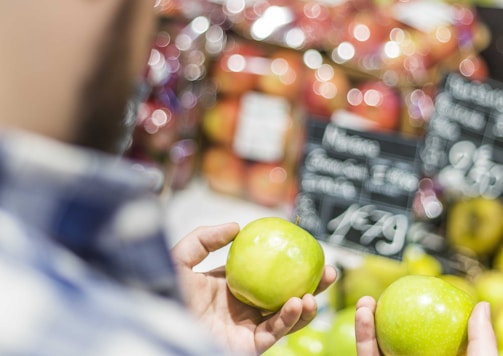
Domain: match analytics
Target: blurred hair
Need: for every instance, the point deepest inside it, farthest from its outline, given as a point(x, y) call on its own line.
point(102, 107)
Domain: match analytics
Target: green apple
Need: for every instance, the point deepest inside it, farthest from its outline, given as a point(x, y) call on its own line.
point(422, 315)
point(308, 341)
point(462, 283)
point(358, 282)
point(476, 225)
point(497, 321)
point(489, 287)
point(497, 261)
point(341, 339)
point(272, 260)
point(385, 269)
point(280, 349)
point(370, 278)
point(419, 261)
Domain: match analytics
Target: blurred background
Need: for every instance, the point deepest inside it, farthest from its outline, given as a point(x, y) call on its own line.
point(265, 107)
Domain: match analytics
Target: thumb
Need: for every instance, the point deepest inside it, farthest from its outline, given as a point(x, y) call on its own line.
point(481, 338)
point(198, 244)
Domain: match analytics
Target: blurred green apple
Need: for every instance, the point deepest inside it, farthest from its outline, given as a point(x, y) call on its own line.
point(497, 321)
point(272, 260)
point(476, 225)
point(462, 283)
point(341, 339)
point(280, 349)
point(422, 315)
point(489, 287)
point(370, 278)
point(308, 341)
point(419, 261)
point(358, 282)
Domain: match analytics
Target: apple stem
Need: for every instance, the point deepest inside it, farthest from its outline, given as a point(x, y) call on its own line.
point(297, 220)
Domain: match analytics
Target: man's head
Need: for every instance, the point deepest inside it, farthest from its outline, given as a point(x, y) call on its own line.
point(67, 68)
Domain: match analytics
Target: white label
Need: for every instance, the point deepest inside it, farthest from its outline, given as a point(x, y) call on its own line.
point(263, 123)
point(423, 15)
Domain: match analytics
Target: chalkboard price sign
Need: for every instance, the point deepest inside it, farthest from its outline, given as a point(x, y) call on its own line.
point(357, 188)
point(463, 148)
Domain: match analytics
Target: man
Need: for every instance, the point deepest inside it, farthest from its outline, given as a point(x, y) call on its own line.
point(84, 268)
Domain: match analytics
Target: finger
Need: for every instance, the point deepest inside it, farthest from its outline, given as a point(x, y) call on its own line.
point(278, 325)
point(481, 338)
point(329, 276)
point(366, 342)
point(198, 244)
point(309, 311)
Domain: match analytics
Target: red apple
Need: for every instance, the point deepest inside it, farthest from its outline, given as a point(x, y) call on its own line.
point(284, 76)
point(224, 171)
point(325, 90)
point(377, 103)
point(405, 54)
point(233, 72)
point(267, 183)
point(366, 31)
point(314, 21)
point(219, 121)
point(442, 42)
point(474, 67)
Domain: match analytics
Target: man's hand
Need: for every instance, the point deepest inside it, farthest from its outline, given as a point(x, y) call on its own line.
point(240, 327)
point(481, 338)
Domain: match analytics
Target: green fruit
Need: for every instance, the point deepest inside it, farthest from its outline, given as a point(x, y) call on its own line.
point(475, 225)
point(498, 327)
point(272, 260)
point(308, 341)
point(461, 283)
point(422, 315)
point(385, 269)
point(489, 287)
point(370, 278)
point(280, 349)
point(358, 282)
point(341, 339)
point(418, 261)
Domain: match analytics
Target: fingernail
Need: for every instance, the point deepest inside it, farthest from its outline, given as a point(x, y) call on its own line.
point(486, 308)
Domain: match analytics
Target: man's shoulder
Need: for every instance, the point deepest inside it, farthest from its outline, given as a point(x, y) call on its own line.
point(51, 300)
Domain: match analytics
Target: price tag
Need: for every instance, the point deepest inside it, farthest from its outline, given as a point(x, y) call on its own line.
point(357, 188)
point(463, 147)
point(424, 15)
point(262, 128)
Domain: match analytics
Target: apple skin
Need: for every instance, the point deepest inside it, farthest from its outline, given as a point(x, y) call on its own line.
point(341, 338)
point(310, 340)
point(489, 287)
point(285, 76)
point(235, 81)
point(475, 225)
point(266, 183)
point(224, 171)
point(376, 102)
point(325, 90)
point(272, 260)
point(422, 315)
point(219, 121)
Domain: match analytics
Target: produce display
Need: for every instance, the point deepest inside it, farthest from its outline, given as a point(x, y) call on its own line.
point(239, 89)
